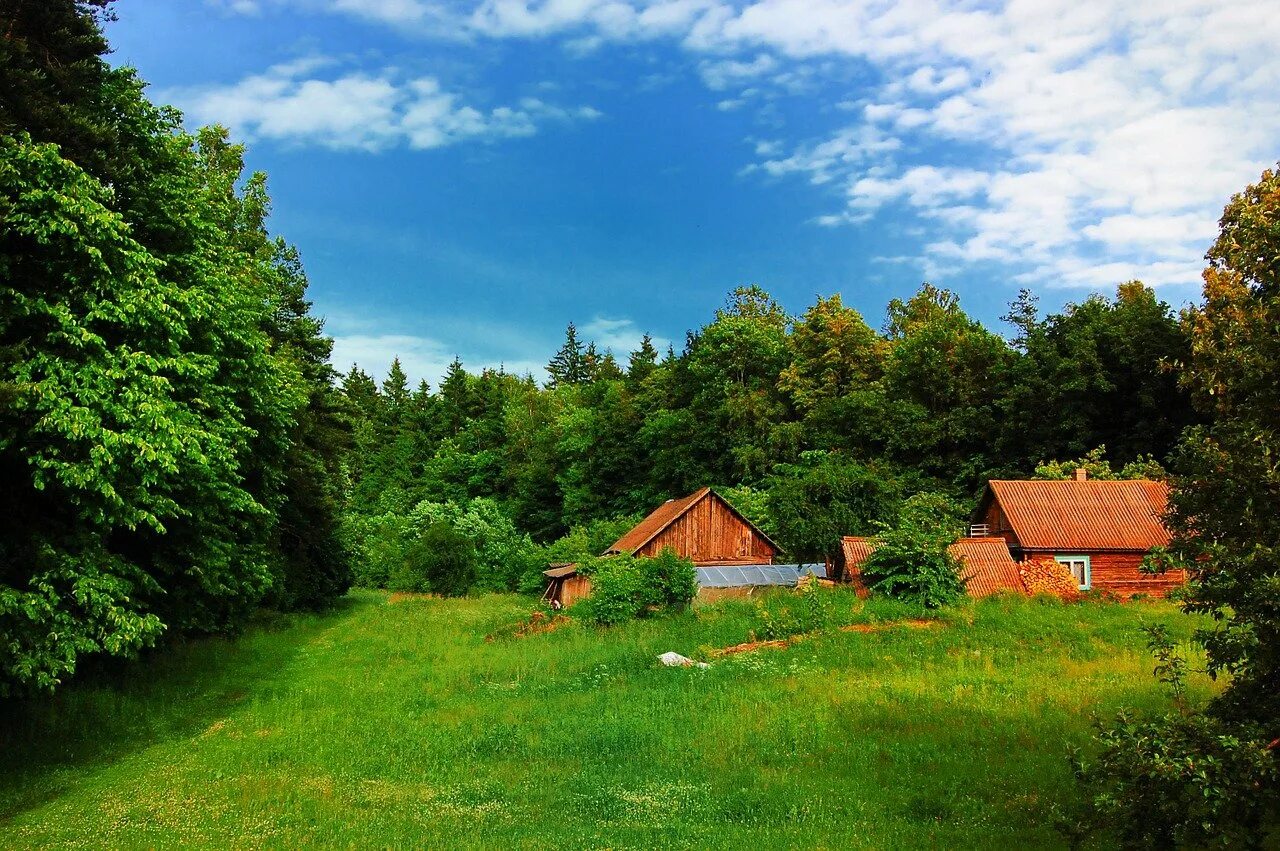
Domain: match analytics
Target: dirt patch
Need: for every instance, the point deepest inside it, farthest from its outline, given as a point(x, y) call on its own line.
point(779, 643)
point(537, 624)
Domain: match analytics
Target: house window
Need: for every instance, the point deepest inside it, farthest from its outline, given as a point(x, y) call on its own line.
point(1080, 569)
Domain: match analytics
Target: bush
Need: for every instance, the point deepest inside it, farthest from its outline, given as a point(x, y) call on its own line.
point(442, 561)
point(624, 587)
point(502, 551)
point(813, 503)
point(583, 543)
point(810, 607)
point(912, 562)
point(1182, 781)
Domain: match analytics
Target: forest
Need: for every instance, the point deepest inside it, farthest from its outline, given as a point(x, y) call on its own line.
point(178, 453)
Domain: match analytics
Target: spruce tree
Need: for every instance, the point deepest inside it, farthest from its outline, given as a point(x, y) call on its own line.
point(642, 361)
point(569, 364)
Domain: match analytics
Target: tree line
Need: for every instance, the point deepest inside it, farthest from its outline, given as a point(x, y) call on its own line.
point(171, 440)
point(816, 426)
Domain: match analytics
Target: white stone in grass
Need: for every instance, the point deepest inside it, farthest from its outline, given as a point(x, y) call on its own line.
point(674, 660)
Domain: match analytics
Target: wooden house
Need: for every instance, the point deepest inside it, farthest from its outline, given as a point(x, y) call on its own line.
point(702, 527)
point(1099, 531)
point(986, 565)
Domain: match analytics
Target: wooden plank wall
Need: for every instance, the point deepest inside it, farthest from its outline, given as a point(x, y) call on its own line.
point(710, 533)
point(1119, 574)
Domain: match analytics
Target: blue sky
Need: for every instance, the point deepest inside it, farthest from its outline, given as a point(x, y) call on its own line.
point(465, 178)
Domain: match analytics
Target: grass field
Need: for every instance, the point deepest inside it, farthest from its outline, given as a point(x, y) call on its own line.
point(397, 724)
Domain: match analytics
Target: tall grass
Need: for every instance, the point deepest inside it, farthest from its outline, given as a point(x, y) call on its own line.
point(399, 724)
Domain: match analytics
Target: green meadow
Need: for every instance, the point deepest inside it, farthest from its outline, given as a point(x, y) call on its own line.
point(421, 722)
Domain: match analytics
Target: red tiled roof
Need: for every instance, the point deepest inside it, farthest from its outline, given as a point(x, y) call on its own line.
point(666, 514)
point(987, 566)
point(1067, 516)
point(986, 563)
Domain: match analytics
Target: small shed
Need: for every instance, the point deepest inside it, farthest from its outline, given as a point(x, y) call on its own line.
point(1099, 531)
point(986, 566)
point(565, 586)
point(702, 527)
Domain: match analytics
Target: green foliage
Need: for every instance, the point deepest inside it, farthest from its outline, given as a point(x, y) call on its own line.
point(911, 561)
point(1212, 777)
point(1095, 464)
point(808, 608)
point(625, 587)
point(170, 440)
point(825, 496)
point(440, 560)
point(1182, 781)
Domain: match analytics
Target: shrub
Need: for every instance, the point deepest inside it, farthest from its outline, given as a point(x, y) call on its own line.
point(675, 579)
point(583, 543)
point(911, 561)
point(810, 607)
point(502, 552)
point(624, 587)
point(441, 560)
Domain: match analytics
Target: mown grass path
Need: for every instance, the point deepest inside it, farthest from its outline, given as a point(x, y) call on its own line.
point(398, 725)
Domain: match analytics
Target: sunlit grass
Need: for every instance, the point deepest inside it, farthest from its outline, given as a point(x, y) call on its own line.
point(399, 724)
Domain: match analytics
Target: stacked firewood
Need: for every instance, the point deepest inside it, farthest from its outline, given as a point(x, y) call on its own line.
point(1046, 576)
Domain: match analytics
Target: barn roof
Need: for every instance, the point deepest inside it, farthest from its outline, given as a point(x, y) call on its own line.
point(666, 514)
point(1085, 516)
point(986, 564)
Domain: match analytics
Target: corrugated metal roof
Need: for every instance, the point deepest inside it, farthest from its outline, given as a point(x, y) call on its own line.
point(987, 566)
point(1066, 516)
point(744, 575)
point(666, 514)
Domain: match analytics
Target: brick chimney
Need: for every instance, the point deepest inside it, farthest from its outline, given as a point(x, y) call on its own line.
point(1081, 474)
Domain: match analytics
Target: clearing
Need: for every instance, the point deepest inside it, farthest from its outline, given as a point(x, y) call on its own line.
point(397, 724)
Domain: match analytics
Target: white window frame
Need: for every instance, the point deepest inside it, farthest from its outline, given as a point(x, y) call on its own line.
point(1069, 560)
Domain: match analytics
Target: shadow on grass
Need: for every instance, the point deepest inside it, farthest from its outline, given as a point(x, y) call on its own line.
point(48, 743)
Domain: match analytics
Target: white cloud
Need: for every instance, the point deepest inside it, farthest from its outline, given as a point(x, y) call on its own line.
point(356, 110)
point(620, 336)
point(1092, 134)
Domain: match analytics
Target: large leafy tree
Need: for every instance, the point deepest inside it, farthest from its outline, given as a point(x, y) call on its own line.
point(944, 377)
point(157, 361)
point(1213, 777)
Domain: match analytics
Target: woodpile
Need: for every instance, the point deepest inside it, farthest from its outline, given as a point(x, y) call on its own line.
point(1046, 576)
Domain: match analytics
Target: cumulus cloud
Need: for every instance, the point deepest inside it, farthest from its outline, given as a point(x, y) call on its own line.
point(1055, 136)
point(356, 110)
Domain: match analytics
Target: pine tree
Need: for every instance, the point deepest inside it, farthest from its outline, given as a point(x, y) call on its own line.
point(642, 361)
point(569, 364)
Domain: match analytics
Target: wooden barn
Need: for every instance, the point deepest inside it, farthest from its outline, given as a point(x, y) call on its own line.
point(702, 527)
point(1099, 531)
point(986, 566)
